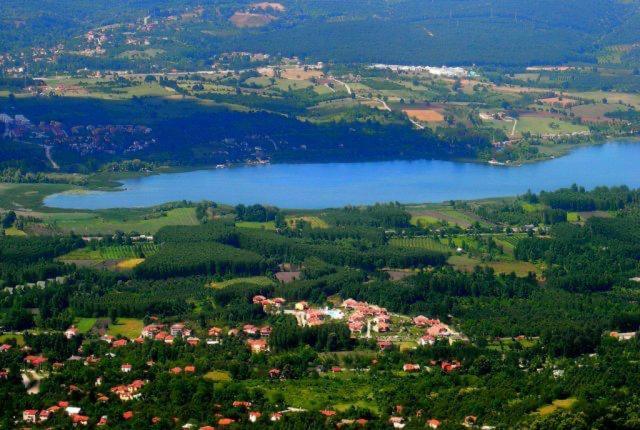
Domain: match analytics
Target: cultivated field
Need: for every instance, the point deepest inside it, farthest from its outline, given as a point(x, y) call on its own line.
point(116, 252)
point(420, 243)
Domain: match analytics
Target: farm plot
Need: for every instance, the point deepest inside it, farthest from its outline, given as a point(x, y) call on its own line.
point(420, 243)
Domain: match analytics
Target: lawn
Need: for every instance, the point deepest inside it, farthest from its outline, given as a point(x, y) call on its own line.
point(257, 280)
point(18, 337)
point(128, 327)
point(84, 324)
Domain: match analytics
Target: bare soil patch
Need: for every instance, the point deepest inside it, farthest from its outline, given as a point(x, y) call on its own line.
point(251, 20)
point(426, 115)
point(300, 74)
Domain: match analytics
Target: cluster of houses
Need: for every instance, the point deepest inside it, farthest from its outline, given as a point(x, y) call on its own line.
point(366, 316)
point(434, 330)
point(84, 139)
point(35, 416)
point(307, 316)
point(269, 305)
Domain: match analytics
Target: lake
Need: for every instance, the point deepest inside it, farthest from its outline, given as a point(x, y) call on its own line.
point(313, 186)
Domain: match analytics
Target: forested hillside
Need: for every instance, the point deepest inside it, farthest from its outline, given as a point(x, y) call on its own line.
point(407, 31)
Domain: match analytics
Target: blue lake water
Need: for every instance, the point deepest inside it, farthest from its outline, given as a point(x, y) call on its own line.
point(312, 186)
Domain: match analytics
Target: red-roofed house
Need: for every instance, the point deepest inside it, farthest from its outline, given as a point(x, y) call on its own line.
point(5, 347)
point(274, 373)
point(258, 345)
point(421, 321)
point(127, 415)
point(433, 423)
point(225, 421)
point(409, 367)
point(426, 340)
point(328, 413)
point(397, 422)
point(35, 360)
point(119, 343)
point(71, 332)
point(44, 415)
point(254, 416)
point(258, 299)
point(276, 416)
point(384, 344)
point(82, 420)
point(30, 416)
point(215, 331)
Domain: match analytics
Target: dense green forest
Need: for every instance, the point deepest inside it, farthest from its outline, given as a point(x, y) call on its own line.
point(408, 31)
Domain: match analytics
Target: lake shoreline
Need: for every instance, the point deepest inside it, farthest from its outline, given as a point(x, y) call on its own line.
point(113, 181)
point(322, 185)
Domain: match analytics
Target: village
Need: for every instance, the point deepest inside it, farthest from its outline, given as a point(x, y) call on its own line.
point(364, 321)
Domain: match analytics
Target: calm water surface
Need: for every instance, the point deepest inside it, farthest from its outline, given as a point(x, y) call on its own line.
point(311, 186)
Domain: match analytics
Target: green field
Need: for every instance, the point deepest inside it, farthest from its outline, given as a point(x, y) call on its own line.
point(467, 264)
point(108, 222)
point(116, 252)
point(333, 391)
point(543, 125)
point(28, 196)
point(420, 242)
point(127, 327)
point(257, 280)
point(12, 231)
point(424, 220)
